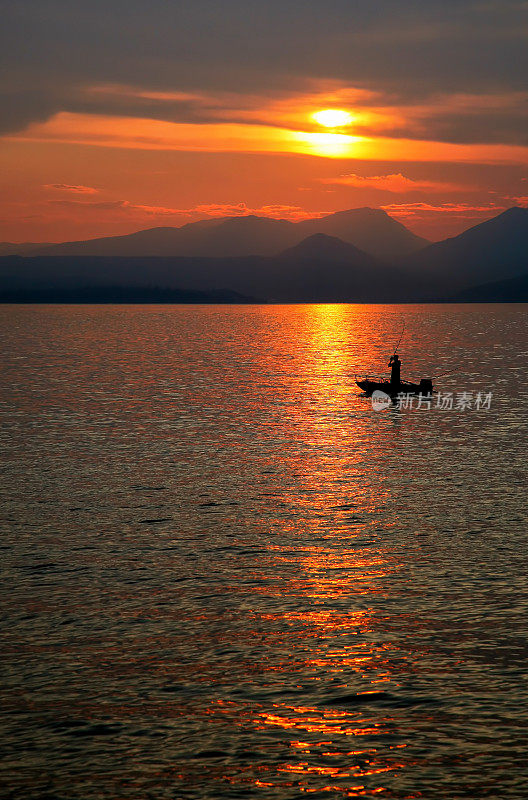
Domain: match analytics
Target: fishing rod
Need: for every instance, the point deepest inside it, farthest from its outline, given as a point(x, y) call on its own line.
point(399, 340)
point(395, 349)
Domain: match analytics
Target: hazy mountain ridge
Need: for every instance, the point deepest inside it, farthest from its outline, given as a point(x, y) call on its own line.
point(20, 248)
point(321, 246)
point(372, 230)
point(319, 268)
point(369, 229)
point(511, 290)
point(324, 268)
point(492, 250)
point(123, 294)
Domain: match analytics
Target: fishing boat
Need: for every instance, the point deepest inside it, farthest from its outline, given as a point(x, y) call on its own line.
point(370, 384)
point(395, 385)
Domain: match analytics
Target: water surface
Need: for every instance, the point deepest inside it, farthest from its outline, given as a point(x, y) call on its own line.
point(226, 576)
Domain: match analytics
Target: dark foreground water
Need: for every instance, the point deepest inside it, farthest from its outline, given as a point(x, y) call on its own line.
point(226, 576)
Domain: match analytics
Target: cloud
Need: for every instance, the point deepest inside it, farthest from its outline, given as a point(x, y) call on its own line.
point(464, 117)
point(149, 134)
point(22, 106)
point(88, 205)
point(180, 55)
point(519, 201)
point(396, 183)
point(117, 205)
point(276, 211)
point(459, 210)
point(436, 221)
point(66, 187)
point(140, 210)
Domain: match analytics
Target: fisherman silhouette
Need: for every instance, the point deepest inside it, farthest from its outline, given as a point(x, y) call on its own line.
point(395, 365)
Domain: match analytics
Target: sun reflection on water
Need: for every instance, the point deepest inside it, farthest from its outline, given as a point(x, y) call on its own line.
point(249, 587)
point(323, 574)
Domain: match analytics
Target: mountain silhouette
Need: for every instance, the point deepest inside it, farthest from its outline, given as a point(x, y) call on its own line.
point(324, 268)
point(512, 290)
point(321, 247)
point(493, 250)
point(318, 268)
point(123, 294)
point(20, 248)
point(222, 237)
point(372, 230)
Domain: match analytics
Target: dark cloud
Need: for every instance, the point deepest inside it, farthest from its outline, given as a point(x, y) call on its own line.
point(507, 126)
point(21, 107)
point(408, 50)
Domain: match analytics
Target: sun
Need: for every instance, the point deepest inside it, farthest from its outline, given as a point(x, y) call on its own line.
point(332, 117)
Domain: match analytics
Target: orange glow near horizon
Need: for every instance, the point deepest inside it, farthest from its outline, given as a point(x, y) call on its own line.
point(330, 123)
point(326, 145)
point(149, 134)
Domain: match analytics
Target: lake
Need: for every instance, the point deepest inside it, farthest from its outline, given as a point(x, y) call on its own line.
point(226, 576)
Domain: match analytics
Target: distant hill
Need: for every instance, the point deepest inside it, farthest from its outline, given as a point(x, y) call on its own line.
point(320, 268)
point(216, 238)
point(321, 247)
point(372, 230)
point(324, 268)
point(493, 250)
point(512, 290)
point(21, 249)
point(123, 294)
point(193, 274)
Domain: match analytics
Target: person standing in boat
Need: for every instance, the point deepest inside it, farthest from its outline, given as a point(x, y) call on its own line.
point(395, 365)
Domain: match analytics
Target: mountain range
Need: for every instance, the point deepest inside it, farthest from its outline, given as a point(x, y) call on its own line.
point(358, 255)
point(370, 229)
point(493, 250)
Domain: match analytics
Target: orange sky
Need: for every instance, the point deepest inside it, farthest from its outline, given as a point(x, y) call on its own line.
point(91, 150)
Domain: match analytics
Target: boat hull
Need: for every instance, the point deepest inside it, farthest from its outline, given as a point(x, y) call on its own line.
point(425, 387)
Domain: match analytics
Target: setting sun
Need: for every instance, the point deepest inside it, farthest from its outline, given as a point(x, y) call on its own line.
point(332, 117)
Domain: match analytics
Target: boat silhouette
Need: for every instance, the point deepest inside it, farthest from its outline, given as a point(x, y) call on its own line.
point(370, 384)
point(395, 385)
